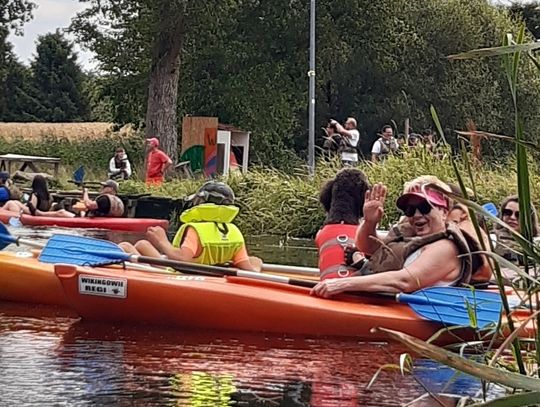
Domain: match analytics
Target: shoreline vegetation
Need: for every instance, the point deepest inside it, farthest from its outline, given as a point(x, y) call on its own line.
point(273, 201)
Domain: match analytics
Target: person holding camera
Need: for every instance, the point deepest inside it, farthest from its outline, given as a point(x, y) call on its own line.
point(350, 137)
point(119, 165)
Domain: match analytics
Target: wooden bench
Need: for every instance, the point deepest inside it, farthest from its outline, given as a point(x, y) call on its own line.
point(27, 161)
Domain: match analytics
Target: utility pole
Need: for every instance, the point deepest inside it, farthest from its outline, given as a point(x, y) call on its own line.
point(311, 74)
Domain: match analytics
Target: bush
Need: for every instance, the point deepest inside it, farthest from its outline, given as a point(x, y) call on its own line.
point(286, 204)
point(93, 153)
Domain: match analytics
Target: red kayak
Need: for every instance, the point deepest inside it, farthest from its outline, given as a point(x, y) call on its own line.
point(127, 224)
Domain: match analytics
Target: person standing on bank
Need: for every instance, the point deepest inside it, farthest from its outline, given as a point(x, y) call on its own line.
point(119, 165)
point(351, 137)
point(157, 163)
point(384, 145)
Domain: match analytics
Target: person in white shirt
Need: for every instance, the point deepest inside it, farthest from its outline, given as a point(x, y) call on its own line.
point(384, 145)
point(119, 165)
point(351, 137)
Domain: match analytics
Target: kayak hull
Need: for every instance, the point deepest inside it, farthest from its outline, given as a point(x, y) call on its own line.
point(205, 303)
point(25, 279)
point(125, 224)
point(230, 303)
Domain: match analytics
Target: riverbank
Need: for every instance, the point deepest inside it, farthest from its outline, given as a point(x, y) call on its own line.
point(286, 204)
point(272, 201)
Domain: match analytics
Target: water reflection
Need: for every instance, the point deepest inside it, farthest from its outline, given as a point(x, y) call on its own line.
point(214, 369)
point(51, 360)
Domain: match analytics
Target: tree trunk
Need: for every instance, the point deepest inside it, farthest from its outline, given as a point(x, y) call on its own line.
point(161, 117)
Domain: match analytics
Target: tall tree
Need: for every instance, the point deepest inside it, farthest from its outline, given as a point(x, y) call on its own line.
point(57, 80)
point(141, 42)
point(13, 15)
point(376, 60)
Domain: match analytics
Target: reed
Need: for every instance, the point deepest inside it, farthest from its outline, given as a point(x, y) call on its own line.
point(286, 204)
point(524, 388)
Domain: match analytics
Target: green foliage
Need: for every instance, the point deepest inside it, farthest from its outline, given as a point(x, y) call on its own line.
point(530, 13)
point(378, 61)
point(14, 13)
point(139, 45)
point(16, 99)
point(57, 81)
point(94, 154)
point(286, 204)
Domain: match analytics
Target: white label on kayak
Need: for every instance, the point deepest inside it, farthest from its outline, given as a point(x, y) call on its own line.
point(189, 278)
point(24, 255)
point(103, 286)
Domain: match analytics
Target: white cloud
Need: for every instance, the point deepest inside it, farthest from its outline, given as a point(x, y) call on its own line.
point(48, 16)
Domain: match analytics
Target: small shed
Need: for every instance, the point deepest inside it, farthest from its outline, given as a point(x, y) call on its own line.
point(212, 147)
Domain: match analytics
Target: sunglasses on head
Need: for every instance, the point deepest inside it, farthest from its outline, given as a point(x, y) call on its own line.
point(509, 212)
point(424, 207)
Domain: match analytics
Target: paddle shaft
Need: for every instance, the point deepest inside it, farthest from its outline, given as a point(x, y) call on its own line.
point(281, 268)
point(217, 271)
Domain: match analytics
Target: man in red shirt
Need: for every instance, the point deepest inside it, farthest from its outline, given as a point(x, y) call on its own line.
point(157, 162)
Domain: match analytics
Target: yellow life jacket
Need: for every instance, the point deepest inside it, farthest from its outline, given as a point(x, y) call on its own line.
point(220, 239)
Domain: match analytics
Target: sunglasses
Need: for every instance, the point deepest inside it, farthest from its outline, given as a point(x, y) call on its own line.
point(509, 212)
point(424, 208)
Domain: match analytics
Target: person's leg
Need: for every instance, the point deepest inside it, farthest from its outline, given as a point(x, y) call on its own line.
point(128, 248)
point(145, 248)
point(62, 213)
point(16, 206)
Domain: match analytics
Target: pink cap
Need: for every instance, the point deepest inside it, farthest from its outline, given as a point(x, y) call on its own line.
point(430, 195)
point(154, 142)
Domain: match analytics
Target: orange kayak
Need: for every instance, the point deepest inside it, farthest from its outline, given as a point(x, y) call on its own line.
point(231, 303)
point(176, 300)
point(24, 279)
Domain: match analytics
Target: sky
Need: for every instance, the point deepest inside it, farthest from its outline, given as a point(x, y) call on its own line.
point(53, 14)
point(48, 16)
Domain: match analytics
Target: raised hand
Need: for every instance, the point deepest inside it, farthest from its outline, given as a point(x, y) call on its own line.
point(374, 203)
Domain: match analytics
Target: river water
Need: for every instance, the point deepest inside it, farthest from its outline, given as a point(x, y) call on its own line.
point(50, 358)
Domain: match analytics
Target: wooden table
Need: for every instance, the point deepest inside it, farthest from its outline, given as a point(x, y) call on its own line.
point(27, 161)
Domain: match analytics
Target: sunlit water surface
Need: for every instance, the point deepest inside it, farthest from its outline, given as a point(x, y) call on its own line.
point(47, 358)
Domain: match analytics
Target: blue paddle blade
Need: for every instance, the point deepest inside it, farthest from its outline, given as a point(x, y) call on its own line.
point(5, 237)
point(491, 208)
point(78, 175)
point(456, 306)
point(81, 251)
point(15, 222)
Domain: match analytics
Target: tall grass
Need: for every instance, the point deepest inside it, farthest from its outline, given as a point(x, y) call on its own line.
point(276, 203)
point(527, 388)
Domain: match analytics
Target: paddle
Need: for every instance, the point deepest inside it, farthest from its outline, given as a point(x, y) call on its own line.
point(78, 176)
point(15, 221)
point(6, 238)
point(449, 305)
point(490, 208)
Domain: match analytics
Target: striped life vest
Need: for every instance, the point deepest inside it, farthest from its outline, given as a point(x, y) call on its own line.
point(331, 241)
